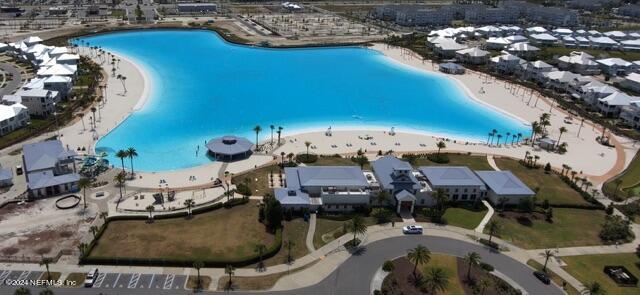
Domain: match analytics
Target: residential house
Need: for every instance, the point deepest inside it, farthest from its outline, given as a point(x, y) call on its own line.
point(497, 43)
point(516, 38)
point(536, 71)
point(582, 42)
point(631, 114)
point(615, 66)
point(579, 62)
point(630, 45)
point(40, 102)
point(591, 92)
point(616, 35)
point(604, 43)
point(506, 64)
point(611, 105)
point(49, 169)
point(561, 81)
point(448, 48)
point(523, 50)
point(13, 117)
point(475, 56)
point(631, 81)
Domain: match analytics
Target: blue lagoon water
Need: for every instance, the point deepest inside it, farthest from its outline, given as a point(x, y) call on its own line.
point(204, 87)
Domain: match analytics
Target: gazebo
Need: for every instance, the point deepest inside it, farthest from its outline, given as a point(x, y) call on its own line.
point(229, 148)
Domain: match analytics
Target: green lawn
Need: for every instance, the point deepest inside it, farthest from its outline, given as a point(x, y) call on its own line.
point(464, 217)
point(630, 181)
point(328, 229)
point(335, 161)
point(450, 266)
point(295, 231)
point(220, 234)
point(547, 53)
point(551, 187)
point(473, 162)
point(570, 228)
point(589, 268)
point(258, 179)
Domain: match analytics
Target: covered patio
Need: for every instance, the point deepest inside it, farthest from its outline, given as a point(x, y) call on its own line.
point(229, 148)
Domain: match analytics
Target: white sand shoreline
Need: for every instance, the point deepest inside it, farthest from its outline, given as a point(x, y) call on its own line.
point(380, 48)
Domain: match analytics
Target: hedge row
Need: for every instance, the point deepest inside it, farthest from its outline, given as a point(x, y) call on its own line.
point(573, 206)
point(272, 249)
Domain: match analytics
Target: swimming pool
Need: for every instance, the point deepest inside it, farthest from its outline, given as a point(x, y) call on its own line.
point(203, 86)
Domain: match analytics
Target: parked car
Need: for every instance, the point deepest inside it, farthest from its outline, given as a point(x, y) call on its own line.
point(90, 278)
point(412, 229)
point(543, 277)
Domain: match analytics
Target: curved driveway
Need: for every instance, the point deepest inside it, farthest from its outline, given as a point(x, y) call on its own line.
point(354, 276)
point(14, 84)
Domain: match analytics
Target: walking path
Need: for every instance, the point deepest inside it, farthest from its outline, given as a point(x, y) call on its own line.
point(311, 232)
point(492, 162)
point(486, 218)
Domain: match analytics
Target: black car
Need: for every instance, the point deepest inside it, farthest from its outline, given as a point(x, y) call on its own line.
point(543, 277)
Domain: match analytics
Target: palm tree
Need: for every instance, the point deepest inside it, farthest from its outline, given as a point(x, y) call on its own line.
point(361, 160)
point(81, 116)
point(593, 288)
point(257, 130)
point(484, 284)
point(198, 265)
point(498, 142)
point(419, 255)
point(546, 254)
point(120, 180)
point(282, 155)
point(440, 146)
point(519, 136)
point(131, 152)
point(93, 120)
point(122, 154)
point(272, 127)
point(230, 270)
point(94, 230)
point(46, 261)
point(472, 259)
point(229, 194)
point(493, 228)
point(382, 198)
point(189, 203)
point(307, 144)
point(150, 209)
point(260, 249)
point(83, 184)
point(104, 216)
point(535, 127)
point(290, 245)
point(493, 135)
point(535, 158)
point(436, 280)
point(562, 130)
point(357, 226)
point(526, 156)
point(489, 137)
point(506, 140)
point(279, 133)
point(83, 248)
point(290, 157)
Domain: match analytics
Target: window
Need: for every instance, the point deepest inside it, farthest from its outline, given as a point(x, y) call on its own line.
point(465, 190)
point(422, 202)
point(455, 197)
point(473, 197)
point(456, 191)
point(464, 197)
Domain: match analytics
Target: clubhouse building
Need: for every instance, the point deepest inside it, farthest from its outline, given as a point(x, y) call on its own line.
point(345, 188)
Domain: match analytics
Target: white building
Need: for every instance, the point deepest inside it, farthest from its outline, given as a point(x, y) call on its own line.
point(40, 102)
point(523, 50)
point(579, 62)
point(13, 117)
point(475, 56)
point(506, 64)
point(616, 35)
point(631, 81)
point(631, 114)
point(497, 43)
point(615, 66)
point(630, 45)
point(604, 43)
point(536, 70)
point(611, 105)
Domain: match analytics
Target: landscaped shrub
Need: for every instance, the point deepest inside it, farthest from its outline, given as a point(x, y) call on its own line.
point(488, 243)
point(616, 229)
point(382, 215)
point(306, 158)
point(486, 266)
point(387, 266)
point(438, 158)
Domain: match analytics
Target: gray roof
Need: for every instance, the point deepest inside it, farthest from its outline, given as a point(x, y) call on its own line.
point(46, 178)
point(504, 183)
point(44, 155)
point(6, 174)
point(325, 176)
point(384, 167)
point(229, 145)
point(451, 176)
point(404, 194)
point(291, 196)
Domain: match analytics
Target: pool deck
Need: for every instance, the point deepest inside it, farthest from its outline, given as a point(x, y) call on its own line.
point(584, 154)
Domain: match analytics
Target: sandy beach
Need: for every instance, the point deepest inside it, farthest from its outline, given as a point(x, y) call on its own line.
point(584, 153)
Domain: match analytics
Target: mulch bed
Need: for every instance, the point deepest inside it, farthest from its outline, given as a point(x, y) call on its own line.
point(525, 219)
point(397, 282)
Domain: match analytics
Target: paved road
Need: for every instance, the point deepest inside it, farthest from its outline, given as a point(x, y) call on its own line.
point(354, 276)
point(14, 84)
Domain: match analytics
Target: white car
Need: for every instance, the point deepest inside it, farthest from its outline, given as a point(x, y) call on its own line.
point(412, 229)
point(90, 278)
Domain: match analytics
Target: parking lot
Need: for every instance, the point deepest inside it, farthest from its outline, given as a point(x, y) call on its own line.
point(18, 275)
point(140, 281)
point(113, 280)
